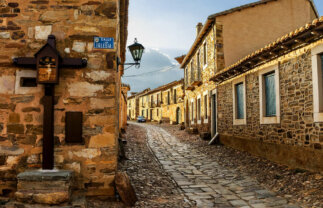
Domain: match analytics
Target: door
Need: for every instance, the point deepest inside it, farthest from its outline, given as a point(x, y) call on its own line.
point(187, 115)
point(178, 116)
point(214, 115)
point(151, 114)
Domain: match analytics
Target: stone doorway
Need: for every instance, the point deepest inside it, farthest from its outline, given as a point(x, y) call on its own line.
point(178, 116)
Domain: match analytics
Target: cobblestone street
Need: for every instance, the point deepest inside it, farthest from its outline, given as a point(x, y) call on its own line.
point(203, 181)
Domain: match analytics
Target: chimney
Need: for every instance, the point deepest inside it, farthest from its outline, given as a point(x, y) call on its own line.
point(199, 27)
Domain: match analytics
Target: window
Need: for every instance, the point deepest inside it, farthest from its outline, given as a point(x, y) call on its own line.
point(205, 107)
point(239, 101)
point(198, 61)
point(199, 109)
point(205, 54)
point(186, 76)
point(192, 111)
point(192, 71)
point(158, 99)
point(198, 66)
point(175, 97)
point(269, 95)
point(168, 97)
point(317, 77)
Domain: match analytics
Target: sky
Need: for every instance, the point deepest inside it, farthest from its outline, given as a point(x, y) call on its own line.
point(171, 23)
point(167, 29)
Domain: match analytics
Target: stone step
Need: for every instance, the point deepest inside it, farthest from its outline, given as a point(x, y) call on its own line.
point(45, 187)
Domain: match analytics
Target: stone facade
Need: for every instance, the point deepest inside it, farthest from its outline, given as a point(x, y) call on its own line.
point(94, 90)
point(123, 107)
point(297, 139)
point(217, 37)
point(163, 104)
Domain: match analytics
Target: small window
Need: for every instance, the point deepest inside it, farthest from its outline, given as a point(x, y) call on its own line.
point(240, 101)
point(192, 71)
point(168, 97)
point(192, 111)
point(205, 106)
point(270, 94)
point(175, 97)
point(205, 54)
point(28, 82)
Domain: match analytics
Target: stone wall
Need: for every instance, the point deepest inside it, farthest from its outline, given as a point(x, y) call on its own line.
point(93, 91)
point(296, 129)
point(215, 61)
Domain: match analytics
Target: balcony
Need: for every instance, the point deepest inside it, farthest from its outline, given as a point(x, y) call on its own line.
point(190, 87)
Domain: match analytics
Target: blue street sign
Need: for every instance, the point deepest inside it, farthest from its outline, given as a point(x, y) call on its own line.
point(103, 43)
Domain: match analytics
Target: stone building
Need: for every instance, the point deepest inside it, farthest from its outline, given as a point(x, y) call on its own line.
point(92, 92)
point(270, 102)
point(123, 107)
point(164, 103)
point(133, 104)
point(224, 39)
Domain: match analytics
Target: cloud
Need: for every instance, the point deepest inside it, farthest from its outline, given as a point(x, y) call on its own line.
point(159, 60)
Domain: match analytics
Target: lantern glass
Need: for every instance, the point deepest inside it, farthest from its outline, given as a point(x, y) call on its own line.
point(136, 51)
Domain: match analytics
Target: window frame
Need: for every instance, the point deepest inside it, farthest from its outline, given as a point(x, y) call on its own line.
point(262, 95)
point(236, 120)
point(198, 109)
point(205, 61)
point(192, 111)
point(206, 107)
point(317, 79)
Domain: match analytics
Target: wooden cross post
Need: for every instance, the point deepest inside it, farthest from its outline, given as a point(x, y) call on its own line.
point(47, 62)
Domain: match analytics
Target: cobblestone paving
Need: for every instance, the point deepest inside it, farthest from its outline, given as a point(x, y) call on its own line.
point(204, 181)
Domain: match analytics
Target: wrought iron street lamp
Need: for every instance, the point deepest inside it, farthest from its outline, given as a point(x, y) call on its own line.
point(136, 51)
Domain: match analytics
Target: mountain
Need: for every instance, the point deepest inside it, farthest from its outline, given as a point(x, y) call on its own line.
point(157, 68)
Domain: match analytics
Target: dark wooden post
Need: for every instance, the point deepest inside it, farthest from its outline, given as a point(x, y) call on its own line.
point(48, 128)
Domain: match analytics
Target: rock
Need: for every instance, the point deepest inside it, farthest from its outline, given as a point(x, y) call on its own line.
point(16, 128)
point(7, 84)
point(54, 16)
point(102, 140)
point(31, 109)
point(5, 35)
point(14, 150)
point(88, 153)
point(84, 89)
point(98, 75)
point(17, 35)
point(79, 46)
point(42, 32)
point(125, 189)
point(101, 103)
point(75, 166)
point(23, 99)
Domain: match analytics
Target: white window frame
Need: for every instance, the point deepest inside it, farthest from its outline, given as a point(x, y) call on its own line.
point(317, 83)
point(197, 113)
point(206, 62)
point(206, 120)
point(237, 121)
point(262, 97)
